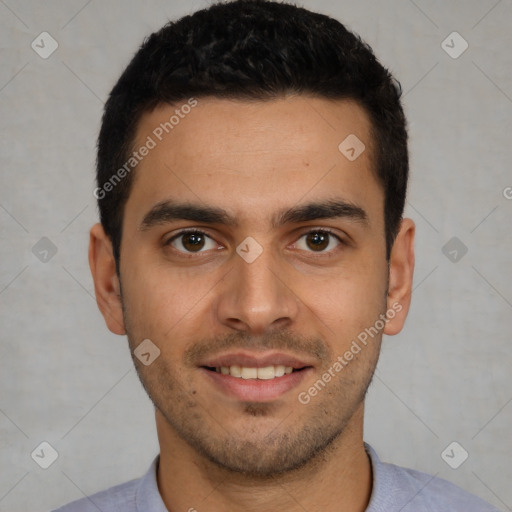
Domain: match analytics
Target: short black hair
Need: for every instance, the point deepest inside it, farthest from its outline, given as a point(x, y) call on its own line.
point(254, 50)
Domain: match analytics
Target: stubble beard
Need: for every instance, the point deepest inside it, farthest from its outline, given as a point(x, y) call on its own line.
point(305, 437)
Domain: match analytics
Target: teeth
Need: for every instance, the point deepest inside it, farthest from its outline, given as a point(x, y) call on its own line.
point(266, 373)
point(249, 373)
point(279, 370)
point(244, 372)
point(235, 371)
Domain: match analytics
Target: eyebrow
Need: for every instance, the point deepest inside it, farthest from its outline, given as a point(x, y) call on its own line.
point(169, 211)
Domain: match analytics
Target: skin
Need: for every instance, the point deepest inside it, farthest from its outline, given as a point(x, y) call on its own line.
point(254, 159)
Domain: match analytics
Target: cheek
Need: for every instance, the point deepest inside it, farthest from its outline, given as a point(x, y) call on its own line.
point(161, 301)
point(348, 301)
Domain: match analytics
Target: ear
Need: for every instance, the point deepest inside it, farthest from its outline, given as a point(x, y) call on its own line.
point(401, 269)
point(106, 283)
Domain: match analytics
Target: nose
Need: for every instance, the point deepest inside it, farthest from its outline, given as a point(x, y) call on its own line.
point(256, 297)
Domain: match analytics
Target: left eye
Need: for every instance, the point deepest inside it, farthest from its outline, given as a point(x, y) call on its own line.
point(192, 241)
point(318, 241)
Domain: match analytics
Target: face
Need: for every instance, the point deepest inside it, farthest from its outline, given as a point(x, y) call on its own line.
point(253, 257)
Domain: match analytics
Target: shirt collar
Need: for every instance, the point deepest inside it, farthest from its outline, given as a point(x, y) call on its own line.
point(147, 497)
point(386, 490)
point(392, 490)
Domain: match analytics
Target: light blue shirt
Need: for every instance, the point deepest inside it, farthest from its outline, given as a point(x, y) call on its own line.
point(395, 489)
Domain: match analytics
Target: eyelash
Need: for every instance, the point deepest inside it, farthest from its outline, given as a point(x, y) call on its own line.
point(330, 232)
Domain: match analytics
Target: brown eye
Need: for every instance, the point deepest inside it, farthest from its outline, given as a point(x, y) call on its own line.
point(192, 242)
point(318, 241)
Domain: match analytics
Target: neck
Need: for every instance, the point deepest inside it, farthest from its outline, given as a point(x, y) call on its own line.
point(340, 478)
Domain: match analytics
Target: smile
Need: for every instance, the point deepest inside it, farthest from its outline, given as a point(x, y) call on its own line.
point(246, 372)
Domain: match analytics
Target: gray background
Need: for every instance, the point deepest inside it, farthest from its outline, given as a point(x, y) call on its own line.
point(65, 379)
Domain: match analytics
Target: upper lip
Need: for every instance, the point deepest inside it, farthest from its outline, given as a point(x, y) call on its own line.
point(255, 360)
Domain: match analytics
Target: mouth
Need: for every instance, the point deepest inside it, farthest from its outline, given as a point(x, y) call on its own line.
point(255, 377)
point(248, 372)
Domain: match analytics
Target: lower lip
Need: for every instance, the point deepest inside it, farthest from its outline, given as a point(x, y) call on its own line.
point(257, 390)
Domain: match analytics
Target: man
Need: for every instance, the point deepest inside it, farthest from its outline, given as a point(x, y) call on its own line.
point(252, 170)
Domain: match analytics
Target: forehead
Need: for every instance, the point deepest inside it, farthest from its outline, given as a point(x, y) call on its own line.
point(255, 155)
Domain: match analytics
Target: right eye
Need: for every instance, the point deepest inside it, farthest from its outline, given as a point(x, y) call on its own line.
point(191, 242)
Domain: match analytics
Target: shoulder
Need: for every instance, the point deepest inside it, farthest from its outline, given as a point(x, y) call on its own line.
point(138, 495)
point(435, 493)
point(408, 490)
point(117, 498)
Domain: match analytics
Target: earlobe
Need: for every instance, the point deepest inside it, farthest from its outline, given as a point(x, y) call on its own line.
point(106, 281)
point(401, 270)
